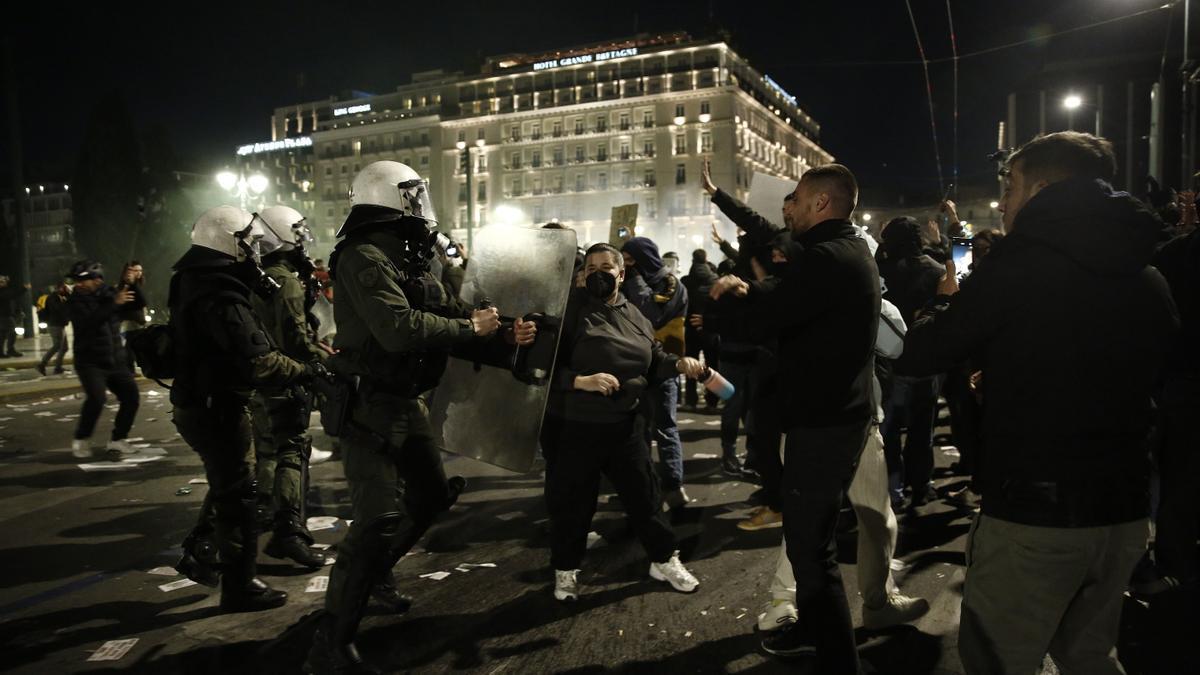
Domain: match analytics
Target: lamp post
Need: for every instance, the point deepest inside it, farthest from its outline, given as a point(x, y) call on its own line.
point(468, 160)
point(245, 188)
point(1073, 102)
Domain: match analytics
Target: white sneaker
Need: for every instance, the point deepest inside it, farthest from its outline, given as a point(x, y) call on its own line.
point(674, 573)
point(318, 455)
point(118, 450)
point(566, 585)
point(777, 615)
point(899, 609)
point(81, 449)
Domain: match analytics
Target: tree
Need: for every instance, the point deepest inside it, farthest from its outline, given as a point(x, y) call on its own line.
point(107, 184)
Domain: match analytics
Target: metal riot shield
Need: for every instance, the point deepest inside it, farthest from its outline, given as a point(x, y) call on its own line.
point(486, 412)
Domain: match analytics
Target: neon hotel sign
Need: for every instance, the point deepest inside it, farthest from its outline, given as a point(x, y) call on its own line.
point(585, 58)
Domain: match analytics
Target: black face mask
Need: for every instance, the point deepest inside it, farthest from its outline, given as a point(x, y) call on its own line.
point(601, 284)
point(249, 273)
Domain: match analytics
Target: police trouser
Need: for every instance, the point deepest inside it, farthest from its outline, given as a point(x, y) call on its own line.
point(221, 435)
point(397, 487)
point(282, 447)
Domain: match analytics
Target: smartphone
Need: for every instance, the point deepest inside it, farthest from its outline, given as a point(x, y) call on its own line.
point(961, 252)
point(622, 232)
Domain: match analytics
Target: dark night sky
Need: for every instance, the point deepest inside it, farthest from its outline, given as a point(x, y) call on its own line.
point(212, 75)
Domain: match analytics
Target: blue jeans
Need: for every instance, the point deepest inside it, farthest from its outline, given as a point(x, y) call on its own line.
point(737, 408)
point(663, 399)
point(913, 405)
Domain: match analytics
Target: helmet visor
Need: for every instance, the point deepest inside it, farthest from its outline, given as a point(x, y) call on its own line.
point(302, 234)
point(416, 192)
point(250, 239)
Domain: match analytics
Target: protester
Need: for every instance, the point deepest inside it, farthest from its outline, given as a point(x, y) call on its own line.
point(696, 338)
point(133, 313)
point(883, 604)
point(910, 277)
point(1178, 518)
point(607, 360)
point(1064, 470)
point(11, 313)
point(750, 359)
point(826, 345)
point(100, 359)
point(659, 296)
point(56, 316)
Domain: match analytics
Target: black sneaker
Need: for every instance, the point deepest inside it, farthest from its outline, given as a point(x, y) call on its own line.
point(789, 642)
point(41, 368)
point(922, 496)
point(731, 466)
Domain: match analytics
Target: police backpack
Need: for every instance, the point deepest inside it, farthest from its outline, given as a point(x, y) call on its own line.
point(154, 349)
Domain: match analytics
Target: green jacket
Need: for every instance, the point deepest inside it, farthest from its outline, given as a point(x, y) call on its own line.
point(397, 345)
point(284, 316)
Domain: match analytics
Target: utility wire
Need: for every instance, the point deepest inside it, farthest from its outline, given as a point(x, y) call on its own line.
point(954, 51)
point(937, 153)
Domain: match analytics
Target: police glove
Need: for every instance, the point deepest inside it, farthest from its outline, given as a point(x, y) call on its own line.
point(315, 370)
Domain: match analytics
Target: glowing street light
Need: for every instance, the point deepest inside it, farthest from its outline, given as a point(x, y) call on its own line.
point(866, 217)
point(994, 205)
point(227, 180)
point(1072, 101)
point(245, 189)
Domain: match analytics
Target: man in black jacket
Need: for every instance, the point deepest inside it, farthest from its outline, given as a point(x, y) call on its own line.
point(54, 313)
point(696, 338)
point(824, 306)
point(100, 358)
point(1064, 470)
point(911, 278)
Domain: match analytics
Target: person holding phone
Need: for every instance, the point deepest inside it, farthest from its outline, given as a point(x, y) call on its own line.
point(607, 360)
point(133, 313)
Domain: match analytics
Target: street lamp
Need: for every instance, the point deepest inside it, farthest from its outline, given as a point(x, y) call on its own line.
point(994, 205)
point(246, 189)
point(469, 161)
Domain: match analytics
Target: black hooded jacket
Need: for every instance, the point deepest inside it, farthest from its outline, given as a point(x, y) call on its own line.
point(97, 328)
point(1071, 329)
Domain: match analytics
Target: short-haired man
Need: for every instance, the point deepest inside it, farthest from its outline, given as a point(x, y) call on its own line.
point(1064, 469)
point(824, 306)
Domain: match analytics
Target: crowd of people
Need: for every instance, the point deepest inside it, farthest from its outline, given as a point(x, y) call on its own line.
point(1063, 354)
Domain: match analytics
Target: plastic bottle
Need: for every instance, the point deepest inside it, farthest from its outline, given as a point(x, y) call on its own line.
point(714, 382)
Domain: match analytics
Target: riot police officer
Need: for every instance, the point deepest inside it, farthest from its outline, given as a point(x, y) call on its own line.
point(281, 414)
point(396, 327)
point(222, 354)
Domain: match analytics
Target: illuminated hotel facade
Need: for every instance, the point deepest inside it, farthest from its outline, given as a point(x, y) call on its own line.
point(561, 136)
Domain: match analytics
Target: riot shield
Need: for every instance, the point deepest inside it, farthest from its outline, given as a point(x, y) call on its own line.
point(486, 412)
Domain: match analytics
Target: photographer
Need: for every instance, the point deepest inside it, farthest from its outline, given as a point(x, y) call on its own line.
point(133, 313)
point(607, 359)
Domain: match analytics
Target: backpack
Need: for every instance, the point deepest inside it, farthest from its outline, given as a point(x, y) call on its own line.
point(154, 349)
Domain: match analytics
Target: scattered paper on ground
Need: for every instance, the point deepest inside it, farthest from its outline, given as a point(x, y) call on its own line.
point(198, 481)
point(317, 585)
point(44, 413)
point(163, 571)
point(713, 423)
point(107, 466)
point(594, 539)
point(141, 460)
point(320, 547)
point(321, 523)
point(474, 565)
point(704, 455)
point(510, 516)
point(686, 420)
point(176, 585)
point(436, 576)
point(113, 650)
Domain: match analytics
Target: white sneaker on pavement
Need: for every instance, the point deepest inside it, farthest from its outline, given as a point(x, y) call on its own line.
point(81, 449)
point(118, 450)
point(318, 456)
point(566, 585)
point(674, 573)
point(777, 614)
point(899, 609)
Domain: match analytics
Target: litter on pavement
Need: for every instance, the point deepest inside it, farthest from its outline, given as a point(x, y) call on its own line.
point(435, 576)
point(113, 650)
point(176, 585)
point(317, 585)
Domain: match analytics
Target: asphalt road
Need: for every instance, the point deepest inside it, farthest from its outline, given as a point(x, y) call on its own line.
point(78, 549)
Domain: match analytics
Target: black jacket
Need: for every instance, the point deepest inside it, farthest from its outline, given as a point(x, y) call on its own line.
point(222, 350)
point(1179, 262)
point(56, 311)
point(602, 338)
point(1071, 328)
point(134, 310)
point(97, 329)
point(11, 302)
point(699, 281)
point(824, 307)
point(730, 317)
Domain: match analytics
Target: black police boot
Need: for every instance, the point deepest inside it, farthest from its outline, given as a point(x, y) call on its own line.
point(199, 560)
point(241, 590)
point(292, 542)
point(333, 651)
point(385, 593)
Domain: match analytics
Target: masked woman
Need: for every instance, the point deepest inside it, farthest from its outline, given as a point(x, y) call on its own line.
point(607, 358)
